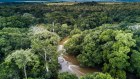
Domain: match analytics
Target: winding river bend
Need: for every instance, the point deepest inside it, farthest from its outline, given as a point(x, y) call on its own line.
point(70, 64)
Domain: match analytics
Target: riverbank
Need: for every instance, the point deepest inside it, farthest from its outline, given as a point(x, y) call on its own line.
point(70, 64)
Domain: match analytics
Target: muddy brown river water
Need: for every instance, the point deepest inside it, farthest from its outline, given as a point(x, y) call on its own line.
point(69, 63)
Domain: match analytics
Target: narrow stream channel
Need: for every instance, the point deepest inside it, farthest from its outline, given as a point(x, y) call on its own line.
point(70, 64)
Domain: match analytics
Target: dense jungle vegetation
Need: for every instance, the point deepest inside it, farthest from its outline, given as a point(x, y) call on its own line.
point(103, 35)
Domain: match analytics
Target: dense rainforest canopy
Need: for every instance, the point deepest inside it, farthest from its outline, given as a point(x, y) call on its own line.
point(100, 34)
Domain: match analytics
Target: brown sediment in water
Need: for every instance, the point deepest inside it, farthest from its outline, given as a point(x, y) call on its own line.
point(72, 59)
point(89, 70)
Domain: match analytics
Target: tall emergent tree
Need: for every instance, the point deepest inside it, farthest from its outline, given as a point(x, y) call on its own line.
point(23, 58)
point(44, 43)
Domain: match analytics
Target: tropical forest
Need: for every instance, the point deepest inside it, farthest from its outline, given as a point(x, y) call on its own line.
point(70, 40)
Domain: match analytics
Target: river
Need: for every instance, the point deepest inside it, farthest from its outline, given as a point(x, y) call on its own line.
point(70, 64)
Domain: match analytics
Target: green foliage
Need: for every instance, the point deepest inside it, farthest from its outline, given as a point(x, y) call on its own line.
point(12, 39)
point(118, 57)
point(15, 21)
point(57, 17)
point(73, 46)
point(97, 75)
point(119, 49)
point(134, 61)
point(75, 31)
point(9, 71)
point(66, 75)
point(23, 59)
point(93, 20)
point(91, 50)
point(44, 44)
point(62, 30)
